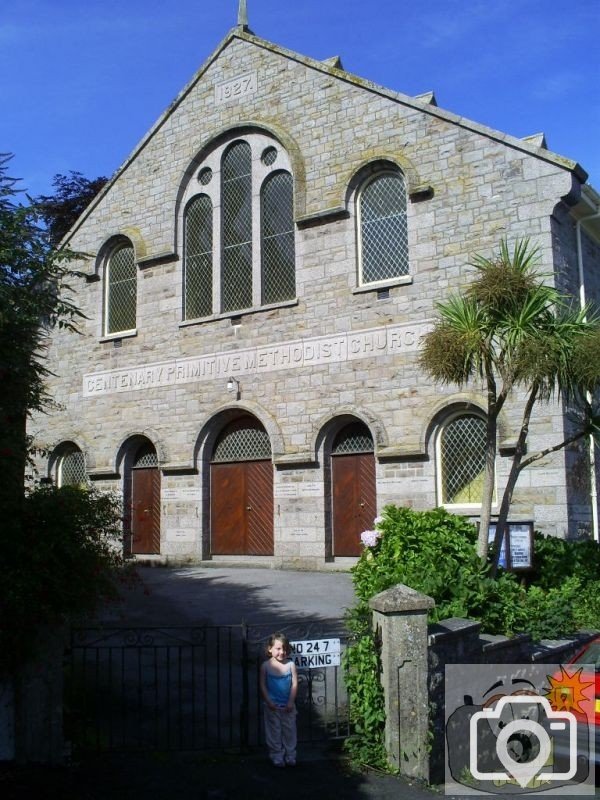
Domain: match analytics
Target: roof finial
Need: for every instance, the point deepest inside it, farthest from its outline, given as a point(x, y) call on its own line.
point(242, 16)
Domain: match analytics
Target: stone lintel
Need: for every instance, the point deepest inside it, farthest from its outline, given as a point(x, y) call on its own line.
point(293, 459)
point(154, 261)
point(400, 599)
point(420, 193)
point(178, 469)
point(322, 217)
point(103, 474)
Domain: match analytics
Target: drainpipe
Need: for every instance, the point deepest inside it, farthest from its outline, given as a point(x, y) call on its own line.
point(592, 446)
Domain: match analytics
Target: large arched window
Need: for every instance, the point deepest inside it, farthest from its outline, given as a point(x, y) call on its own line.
point(461, 460)
point(239, 233)
point(382, 228)
point(120, 291)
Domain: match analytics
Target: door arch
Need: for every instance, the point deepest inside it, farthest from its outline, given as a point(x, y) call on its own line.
point(353, 488)
point(241, 490)
point(144, 502)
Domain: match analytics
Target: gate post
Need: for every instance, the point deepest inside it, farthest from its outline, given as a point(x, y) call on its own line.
point(400, 623)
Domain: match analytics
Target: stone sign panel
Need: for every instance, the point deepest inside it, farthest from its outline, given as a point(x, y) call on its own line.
point(385, 341)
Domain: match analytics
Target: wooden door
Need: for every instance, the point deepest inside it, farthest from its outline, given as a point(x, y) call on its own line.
point(145, 510)
point(354, 501)
point(242, 508)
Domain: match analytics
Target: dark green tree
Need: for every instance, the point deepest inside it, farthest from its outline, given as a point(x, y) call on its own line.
point(511, 330)
point(35, 297)
point(60, 547)
point(73, 194)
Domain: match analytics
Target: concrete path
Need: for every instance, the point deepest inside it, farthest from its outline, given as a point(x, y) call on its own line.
point(226, 595)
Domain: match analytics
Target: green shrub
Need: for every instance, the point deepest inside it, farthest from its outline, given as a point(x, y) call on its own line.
point(66, 559)
point(556, 559)
point(434, 552)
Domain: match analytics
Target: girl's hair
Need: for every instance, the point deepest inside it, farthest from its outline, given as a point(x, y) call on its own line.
point(279, 637)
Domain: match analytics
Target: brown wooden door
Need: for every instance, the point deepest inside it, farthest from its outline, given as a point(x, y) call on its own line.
point(354, 501)
point(145, 510)
point(242, 508)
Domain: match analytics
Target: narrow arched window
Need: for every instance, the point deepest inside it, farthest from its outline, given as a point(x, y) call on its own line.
point(70, 469)
point(198, 258)
point(120, 291)
point(383, 244)
point(461, 460)
point(277, 238)
point(236, 228)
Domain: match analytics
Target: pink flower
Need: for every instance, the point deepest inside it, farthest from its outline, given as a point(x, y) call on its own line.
point(369, 538)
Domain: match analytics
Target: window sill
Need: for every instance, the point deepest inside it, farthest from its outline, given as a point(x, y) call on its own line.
point(403, 280)
point(242, 312)
point(112, 337)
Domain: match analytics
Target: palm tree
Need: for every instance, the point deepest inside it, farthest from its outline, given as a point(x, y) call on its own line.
point(510, 330)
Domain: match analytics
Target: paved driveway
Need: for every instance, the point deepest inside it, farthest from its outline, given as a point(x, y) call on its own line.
point(226, 595)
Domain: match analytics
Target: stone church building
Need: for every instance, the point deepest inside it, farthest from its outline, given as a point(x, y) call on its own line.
point(259, 273)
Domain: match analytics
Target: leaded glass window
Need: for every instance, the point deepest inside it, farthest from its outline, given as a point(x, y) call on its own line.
point(462, 460)
point(354, 438)
point(383, 228)
point(277, 232)
point(243, 440)
point(121, 291)
point(71, 469)
point(146, 456)
point(198, 258)
point(236, 226)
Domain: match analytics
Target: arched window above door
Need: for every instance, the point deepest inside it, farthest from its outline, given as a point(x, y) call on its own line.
point(353, 438)
point(244, 439)
point(146, 456)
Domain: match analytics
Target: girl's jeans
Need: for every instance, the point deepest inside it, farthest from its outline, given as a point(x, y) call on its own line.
point(280, 735)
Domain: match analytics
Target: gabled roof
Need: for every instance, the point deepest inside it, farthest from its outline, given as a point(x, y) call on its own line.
point(425, 103)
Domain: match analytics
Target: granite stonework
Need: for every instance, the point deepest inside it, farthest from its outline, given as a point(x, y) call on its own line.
point(339, 350)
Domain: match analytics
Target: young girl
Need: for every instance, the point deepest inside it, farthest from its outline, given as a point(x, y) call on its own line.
point(278, 686)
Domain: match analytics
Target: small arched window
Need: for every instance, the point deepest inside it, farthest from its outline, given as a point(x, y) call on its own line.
point(198, 258)
point(461, 460)
point(70, 468)
point(120, 297)
point(383, 229)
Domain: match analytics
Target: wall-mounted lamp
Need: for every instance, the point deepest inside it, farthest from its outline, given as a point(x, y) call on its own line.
point(233, 386)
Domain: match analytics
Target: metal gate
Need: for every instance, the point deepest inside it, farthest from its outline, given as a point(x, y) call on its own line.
point(188, 688)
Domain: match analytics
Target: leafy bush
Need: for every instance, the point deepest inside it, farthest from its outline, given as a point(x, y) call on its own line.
point(66, 559)
point(434, 552)
point(555, 559)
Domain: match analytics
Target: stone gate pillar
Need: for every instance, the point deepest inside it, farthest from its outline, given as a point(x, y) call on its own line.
point(400, 622)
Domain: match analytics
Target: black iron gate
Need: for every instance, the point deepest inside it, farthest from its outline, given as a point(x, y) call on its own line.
point(188, 688)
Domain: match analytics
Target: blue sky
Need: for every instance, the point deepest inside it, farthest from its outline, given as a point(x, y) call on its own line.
point(82, 82)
